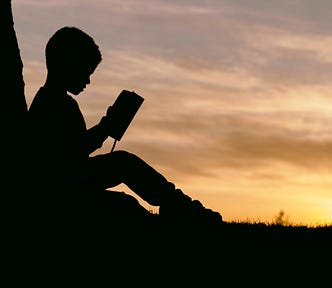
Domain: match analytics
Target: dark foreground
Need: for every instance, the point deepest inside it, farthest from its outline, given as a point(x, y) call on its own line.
point(91, 243)
point(93, 250)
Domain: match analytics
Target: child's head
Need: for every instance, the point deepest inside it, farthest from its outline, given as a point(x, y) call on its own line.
point(71, 57)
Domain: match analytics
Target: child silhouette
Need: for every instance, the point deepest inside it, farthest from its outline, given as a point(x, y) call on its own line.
point(61, 144)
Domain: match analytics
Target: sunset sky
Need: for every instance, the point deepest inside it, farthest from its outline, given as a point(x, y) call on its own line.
point(238, 94)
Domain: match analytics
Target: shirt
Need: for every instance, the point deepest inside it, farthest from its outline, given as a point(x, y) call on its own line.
point(60, 143)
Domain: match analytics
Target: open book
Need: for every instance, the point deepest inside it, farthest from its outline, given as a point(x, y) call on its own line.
point(122, 112)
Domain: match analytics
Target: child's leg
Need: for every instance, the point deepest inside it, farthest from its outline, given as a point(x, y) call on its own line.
point(123, 167)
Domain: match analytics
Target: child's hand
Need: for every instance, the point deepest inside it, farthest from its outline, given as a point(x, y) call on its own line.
point(109, 111)
point(106, 122)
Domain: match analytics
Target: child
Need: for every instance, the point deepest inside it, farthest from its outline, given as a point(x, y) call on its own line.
point(61, 144)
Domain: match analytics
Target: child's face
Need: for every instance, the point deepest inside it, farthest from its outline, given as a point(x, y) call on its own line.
point(78, 78)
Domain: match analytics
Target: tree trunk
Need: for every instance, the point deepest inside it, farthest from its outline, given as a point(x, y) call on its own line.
point(13, 106)
point(12, 83)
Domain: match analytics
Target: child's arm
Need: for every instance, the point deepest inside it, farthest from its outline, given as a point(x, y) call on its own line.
point(96, 135)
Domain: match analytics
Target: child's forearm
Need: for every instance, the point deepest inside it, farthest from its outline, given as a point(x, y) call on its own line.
point(96, 136)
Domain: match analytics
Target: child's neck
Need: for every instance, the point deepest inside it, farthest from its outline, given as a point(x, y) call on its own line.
point(54, 85)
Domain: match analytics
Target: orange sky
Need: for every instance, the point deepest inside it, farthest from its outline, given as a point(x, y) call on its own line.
point(238, 94)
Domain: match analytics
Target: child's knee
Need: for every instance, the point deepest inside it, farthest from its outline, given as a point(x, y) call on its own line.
point(121, 156)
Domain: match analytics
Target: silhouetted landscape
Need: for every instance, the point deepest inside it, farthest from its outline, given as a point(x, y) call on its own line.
point(92, 227)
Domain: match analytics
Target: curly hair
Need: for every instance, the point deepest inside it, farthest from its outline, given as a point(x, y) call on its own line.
point(71, 46)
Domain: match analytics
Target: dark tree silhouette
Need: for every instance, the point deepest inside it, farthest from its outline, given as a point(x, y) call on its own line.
point(12, 83)
point(13, 109)
point(13, 119)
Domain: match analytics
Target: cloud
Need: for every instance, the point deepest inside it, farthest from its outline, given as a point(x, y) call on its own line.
point(270, 42)
point(249, 149)
point(42, 4)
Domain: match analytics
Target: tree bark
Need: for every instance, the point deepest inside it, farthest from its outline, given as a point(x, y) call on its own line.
point(12, 83)
point(13, 104)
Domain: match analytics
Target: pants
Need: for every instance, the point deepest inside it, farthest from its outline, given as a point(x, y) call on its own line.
point(120, 167)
